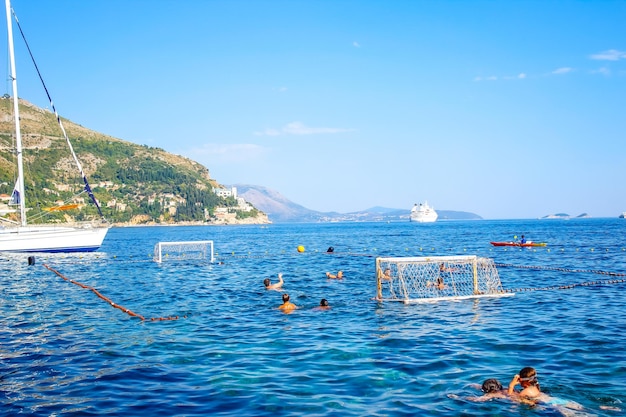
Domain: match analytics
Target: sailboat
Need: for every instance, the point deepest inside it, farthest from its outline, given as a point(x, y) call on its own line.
point(21, 237)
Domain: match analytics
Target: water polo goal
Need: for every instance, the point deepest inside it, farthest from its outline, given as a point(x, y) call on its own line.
point(177, 251)
point(434, 278)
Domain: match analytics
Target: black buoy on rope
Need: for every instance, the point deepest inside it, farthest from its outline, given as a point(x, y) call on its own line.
point(31, 260)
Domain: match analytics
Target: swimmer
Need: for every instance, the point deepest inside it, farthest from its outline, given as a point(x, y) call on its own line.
point(268, 283)
point(439, 284)
point(387, 274)
point(531, 394)
point(443, 268)
point(332, 276)
point(323, 305)
point(492, 388)
point(527, 379)
point(287, 306)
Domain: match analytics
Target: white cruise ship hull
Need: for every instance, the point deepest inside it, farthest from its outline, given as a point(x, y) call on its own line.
point(424, 218)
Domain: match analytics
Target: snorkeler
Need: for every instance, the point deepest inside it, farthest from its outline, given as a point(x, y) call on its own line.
point(527, 379)
point(531, 393)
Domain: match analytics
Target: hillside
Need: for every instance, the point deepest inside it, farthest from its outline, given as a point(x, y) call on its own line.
point(133, 183)
point(281, 210)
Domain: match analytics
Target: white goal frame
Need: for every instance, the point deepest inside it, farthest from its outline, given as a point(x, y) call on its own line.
point(184, 250)
point(436, 278)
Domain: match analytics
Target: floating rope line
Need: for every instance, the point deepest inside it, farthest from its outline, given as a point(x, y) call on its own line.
point(568, 286)
point(108, 300)
point(551, 268)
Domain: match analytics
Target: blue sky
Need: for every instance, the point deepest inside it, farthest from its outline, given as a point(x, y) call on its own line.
point(507, 109)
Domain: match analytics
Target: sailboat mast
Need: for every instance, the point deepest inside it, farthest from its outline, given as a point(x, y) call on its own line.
point(16, 114)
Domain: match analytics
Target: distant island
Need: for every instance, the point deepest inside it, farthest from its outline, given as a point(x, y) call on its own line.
point(281, 210)
point(565, 216)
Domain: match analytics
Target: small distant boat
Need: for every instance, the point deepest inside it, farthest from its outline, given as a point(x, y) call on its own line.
point(423, 213)
point(623, 215)
point(526, 244)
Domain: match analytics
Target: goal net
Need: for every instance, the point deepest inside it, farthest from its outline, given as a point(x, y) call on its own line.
point(177, 251)
point(421, 279)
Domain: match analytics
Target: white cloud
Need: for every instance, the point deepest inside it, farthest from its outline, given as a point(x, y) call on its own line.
point(610, 55)
point(520, 76)
point(356, 44)
point(490, 78)
point(299, 128)
point(563, 70)
point(603, 71)
point(268, 132)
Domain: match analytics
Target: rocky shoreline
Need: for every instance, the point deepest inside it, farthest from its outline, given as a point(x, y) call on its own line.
point(139, 221)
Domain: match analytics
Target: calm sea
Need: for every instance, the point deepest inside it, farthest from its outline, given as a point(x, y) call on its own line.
point(65, 351)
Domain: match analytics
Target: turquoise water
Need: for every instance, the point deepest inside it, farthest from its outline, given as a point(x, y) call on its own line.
point(65, 351)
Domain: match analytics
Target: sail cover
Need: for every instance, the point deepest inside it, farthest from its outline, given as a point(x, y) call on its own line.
point(15, 196)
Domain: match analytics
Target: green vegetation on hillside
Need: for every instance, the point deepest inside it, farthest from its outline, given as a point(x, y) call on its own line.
point(130, 181)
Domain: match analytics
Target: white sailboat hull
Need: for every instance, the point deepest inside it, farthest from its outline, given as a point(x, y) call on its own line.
point(51, 239)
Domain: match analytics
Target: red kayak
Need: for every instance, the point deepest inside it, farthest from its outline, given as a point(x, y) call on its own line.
point(527, 244)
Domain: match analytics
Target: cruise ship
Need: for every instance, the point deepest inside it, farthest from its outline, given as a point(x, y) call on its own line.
point(423, 213)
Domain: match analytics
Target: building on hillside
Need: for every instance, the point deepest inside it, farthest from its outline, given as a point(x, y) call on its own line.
point(225, 192)
point(243, 205)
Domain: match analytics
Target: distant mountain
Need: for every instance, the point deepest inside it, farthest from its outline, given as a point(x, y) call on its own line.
point(281, 210)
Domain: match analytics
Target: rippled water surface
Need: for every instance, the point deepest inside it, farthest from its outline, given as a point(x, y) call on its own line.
point(66, 351)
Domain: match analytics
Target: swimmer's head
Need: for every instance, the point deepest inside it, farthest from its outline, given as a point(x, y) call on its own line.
point(285, 298)
point(491, 385)
point(528, 376)
point(266, 282)
point(324, 302)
